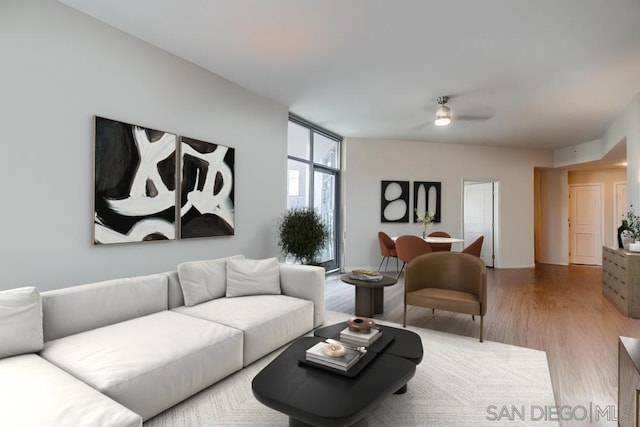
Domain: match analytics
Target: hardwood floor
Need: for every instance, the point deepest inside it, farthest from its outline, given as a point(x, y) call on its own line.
point(557, 309)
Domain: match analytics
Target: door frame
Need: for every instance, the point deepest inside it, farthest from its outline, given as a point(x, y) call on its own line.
point(615, 209)
point(334, 263)
point(496, 216)
point(600, 186)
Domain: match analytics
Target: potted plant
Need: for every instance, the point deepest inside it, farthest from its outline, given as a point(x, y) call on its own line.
point(302, 234)
point(633, 222)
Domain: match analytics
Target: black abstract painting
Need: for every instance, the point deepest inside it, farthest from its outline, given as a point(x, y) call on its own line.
point(135, 183)
point(427, 198)
point(207, 189)
point(394, 201)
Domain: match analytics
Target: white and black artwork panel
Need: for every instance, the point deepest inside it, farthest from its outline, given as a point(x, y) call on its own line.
point(135, 183)
point(394, 201)
point(427, 198)
point(207, 189)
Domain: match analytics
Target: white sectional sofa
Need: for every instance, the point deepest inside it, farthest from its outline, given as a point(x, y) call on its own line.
point(119, 352)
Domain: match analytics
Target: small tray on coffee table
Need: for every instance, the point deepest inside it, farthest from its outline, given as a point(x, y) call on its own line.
point(334, 332)
point(349, 373)
point(378, 346)
point(405, 344)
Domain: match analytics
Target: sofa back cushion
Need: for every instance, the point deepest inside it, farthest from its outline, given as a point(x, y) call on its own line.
point(20, 321)
point(81, 308)
point(253, 277)
point(176, 298)
point(203, 281)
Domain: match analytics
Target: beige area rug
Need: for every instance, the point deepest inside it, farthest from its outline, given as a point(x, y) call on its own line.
point(460, 382)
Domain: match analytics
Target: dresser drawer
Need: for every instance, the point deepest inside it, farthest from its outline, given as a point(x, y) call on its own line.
point(619, 284)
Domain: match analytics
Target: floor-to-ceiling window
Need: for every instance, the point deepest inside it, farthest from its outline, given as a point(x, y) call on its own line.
point(313, 178)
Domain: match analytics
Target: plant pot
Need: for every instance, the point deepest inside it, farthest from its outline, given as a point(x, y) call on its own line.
point(627, 237)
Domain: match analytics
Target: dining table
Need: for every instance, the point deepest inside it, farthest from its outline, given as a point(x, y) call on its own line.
point(429, 239)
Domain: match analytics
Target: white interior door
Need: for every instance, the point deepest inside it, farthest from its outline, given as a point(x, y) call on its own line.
point(585, 224)
point(479, 217)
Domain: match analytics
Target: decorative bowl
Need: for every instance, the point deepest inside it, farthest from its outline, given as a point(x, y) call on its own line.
point(360, 324)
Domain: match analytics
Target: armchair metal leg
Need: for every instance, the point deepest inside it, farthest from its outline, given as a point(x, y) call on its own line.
point(433, 311)
point(383, 258)
point(400, 272)
point(473, 317)
point(481, 326)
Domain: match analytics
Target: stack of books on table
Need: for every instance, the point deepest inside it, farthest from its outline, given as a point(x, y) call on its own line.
point(342, 363)
point(350, 337)
point(366, 275)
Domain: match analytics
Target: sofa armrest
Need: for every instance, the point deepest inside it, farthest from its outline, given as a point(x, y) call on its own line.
point(305, 282)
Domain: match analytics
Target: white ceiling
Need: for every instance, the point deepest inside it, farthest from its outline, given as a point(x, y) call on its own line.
point(548, 73)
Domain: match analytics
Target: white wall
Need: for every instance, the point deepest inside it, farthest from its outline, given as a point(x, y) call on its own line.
point(580, 153)
point(554, 211)
point(368, 161)
point(59, 68)
point(625, 127)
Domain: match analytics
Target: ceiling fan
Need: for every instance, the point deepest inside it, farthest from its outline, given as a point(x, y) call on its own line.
point(445, 117)
point(443, 114)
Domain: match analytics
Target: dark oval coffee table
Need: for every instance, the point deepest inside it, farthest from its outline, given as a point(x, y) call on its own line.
point(313, 396)
point(369, 294)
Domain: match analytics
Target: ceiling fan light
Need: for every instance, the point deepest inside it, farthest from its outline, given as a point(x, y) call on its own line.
point(442, 121)
point(443, 116)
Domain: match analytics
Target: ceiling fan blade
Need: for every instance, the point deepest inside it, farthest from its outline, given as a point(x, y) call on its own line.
point(422, 125)
point(471, 118)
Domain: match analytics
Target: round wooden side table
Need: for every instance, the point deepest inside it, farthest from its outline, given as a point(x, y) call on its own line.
point(369, 294)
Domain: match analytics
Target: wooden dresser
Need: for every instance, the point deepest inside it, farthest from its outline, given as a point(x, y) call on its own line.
point(628, 381)
point(621, 280)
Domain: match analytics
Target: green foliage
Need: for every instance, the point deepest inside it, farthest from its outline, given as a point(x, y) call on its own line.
point(302, 234)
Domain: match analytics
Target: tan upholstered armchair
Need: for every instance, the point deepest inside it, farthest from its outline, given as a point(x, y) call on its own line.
point(450, 281)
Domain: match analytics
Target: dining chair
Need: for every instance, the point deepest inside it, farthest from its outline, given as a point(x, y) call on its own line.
point(387, 249)
point(408, 247)
point(475, 247)
point(450, 281)
point(440, 247)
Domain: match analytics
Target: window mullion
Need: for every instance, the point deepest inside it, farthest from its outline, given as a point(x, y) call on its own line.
point(311, 171)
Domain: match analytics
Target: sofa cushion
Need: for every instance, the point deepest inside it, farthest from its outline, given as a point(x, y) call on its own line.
point(150, 363)
point(81, 308)
point(36, 393)
point(268, 321)
point(176, 298)
point(20, 321)
point(306, 282)
point(253, 277)
point(204, 280)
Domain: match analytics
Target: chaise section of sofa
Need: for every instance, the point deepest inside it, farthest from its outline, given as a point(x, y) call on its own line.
point(36, 393)
point(118, 337)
